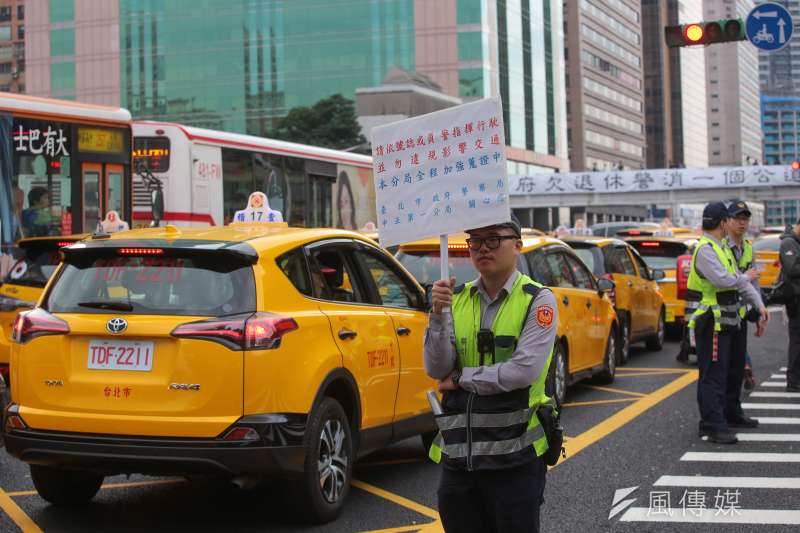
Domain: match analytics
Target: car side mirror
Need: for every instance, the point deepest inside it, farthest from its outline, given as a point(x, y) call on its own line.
point(428, 294)
point(657, 274)
point(157, 201)
point(605, 286)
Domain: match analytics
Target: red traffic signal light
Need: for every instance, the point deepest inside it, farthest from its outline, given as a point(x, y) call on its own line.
point(713, 32)
point(795, 165)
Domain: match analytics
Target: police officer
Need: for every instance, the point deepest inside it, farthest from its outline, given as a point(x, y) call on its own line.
point(712, 304)
point(742, 249)
point(491, 355)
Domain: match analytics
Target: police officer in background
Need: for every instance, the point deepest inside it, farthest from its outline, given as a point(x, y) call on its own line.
point(491, 355)
point(742, 249)
point(713, 300)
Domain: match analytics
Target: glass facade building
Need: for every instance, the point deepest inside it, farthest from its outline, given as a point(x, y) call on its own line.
point(240, 65)
point(780, 122)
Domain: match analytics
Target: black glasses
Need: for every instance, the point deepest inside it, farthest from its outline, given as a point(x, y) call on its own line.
point(492, 243)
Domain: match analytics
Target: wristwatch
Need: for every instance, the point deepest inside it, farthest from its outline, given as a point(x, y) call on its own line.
point(456, 376)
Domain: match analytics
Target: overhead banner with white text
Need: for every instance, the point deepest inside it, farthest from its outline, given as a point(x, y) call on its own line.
point(664, 179)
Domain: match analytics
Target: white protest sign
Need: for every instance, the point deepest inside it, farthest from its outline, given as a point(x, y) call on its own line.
point(440, 173)
point(258, 210)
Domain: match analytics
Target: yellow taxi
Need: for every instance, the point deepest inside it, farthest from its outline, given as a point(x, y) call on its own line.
point(670, 253)
point(767, 260)
point(637, 299)
point(243, 352)
point(36, 260)
point(587, 330)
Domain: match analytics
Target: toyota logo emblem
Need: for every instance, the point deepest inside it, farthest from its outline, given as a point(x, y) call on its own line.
point(117, 325)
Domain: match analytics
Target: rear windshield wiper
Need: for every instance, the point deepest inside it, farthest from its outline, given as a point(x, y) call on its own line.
point(114, 306)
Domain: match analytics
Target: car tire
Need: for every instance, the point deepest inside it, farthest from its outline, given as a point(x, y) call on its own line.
point(558, 375)
point(610, 356)
point(328, 468)
point(656, 342)
point(65, 487)
point(624, 339)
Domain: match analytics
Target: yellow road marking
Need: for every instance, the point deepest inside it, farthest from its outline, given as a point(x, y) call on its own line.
point(657, 373)
point(23, 521)
point(598, 402)
point(619, 391)
point(396, 498)
point(616, 421)
point(109, 486)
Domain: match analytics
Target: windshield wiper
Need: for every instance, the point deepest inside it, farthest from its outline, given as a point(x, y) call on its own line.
point(115, 306)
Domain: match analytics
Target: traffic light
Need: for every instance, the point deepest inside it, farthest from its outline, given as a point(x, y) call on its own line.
point(717, 31)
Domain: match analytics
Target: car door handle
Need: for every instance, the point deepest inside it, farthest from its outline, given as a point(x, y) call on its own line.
point(565, 300)
point(402, 330)
point(630, 284)
point(346, 334)
point(588, 304)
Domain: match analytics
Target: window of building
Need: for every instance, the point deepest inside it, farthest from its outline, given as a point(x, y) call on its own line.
point(62, 77)
point(21, 12)
point(470, 82)
point(5, 33)
point(21, 31)
point(469, 46)
point(5, 13)
point(62, 10)
point(62, 42)
point(468, 11)
point(5, 68)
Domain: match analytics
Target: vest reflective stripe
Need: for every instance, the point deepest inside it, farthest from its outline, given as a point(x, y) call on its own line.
point(495, 447)
point(491, 415)
point(726, 316)
point(485, 420)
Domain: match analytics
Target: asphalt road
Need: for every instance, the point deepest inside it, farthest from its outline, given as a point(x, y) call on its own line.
point(627, 435)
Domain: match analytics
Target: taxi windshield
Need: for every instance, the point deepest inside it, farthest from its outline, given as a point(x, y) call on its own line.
point(770, 244)
point(170, 285)
point(425, 265)
point(660, 255)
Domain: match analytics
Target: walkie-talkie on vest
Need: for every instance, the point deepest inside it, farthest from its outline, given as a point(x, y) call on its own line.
point(486, 344)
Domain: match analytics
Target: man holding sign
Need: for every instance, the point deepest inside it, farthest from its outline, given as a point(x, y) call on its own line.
point(491, 355)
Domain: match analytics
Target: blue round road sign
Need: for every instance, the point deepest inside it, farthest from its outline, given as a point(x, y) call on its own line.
point(769, 27)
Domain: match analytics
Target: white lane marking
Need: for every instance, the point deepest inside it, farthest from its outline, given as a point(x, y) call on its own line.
point(774, 308)
point(779, 420)
point(712, 516)
point(742, 457)
point(774, 384)
point(778, 376)
point(776, 406)
point(729, 482)
point(768, 437)
point(775, 394)
point(783, 369)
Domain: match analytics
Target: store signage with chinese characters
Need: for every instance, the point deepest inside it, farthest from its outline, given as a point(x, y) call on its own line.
point(440, 173)
point(100, 140)
point(664, 179)
point(36, 137)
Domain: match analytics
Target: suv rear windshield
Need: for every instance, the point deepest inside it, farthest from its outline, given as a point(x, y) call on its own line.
point(660, 255)
point(35, 266)
point(192, 285)
point(425, 266)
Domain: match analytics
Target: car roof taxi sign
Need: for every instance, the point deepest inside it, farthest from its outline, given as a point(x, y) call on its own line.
point(258, 210)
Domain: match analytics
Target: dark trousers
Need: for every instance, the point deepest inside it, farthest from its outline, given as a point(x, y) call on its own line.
point(712, 387)
point(738, 360)
point(793, 368)
point(492, 501)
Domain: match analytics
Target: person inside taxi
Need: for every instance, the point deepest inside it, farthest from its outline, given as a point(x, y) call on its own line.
point(36, 220)
point(496, 489)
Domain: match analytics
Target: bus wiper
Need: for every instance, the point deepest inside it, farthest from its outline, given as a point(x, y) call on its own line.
point(115, 306)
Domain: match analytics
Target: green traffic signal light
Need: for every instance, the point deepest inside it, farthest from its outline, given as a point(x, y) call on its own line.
point(705, 33)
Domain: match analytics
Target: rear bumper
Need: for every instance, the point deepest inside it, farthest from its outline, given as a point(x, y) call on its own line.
point(112, 454)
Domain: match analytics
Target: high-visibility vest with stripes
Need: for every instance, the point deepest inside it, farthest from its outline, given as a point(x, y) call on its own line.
point(499, 430)
point(702, 296)
point(745, 263)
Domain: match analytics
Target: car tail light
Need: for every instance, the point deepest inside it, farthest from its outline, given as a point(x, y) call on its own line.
point(241, 433)
point(37, 323)
point(682, 268)
point(15, 422)
point(141, 251)
point(649, 244)
point(612, 294)
point(8, 303)
point(259, 331)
